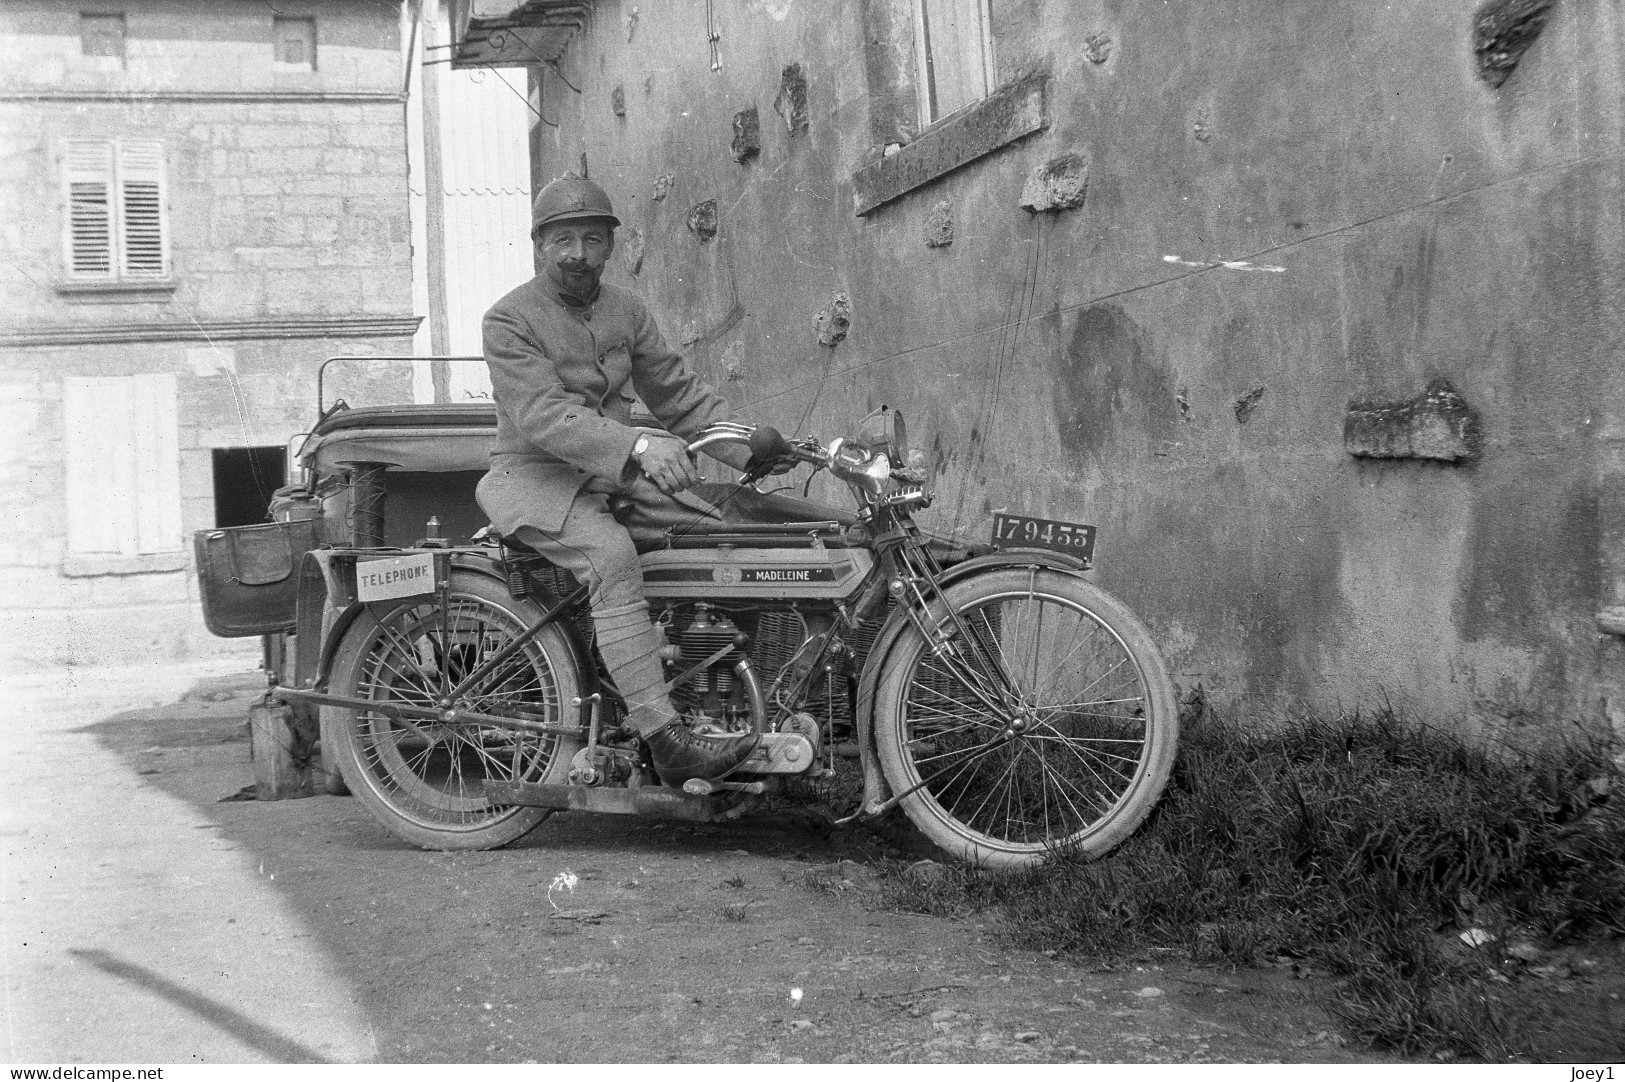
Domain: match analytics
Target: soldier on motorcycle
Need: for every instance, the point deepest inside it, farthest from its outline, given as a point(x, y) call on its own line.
point(567, 353)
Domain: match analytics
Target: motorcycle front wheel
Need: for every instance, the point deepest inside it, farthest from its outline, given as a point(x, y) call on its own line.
point(424, 780)
point(1043, 721)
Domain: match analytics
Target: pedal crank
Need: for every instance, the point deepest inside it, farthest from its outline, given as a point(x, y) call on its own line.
point(702, 787)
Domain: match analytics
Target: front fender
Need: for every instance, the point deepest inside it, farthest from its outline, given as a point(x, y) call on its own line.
point(1050, 561)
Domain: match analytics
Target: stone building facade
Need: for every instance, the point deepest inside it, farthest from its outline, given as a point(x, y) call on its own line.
point(1313, 311)
point(202, 200)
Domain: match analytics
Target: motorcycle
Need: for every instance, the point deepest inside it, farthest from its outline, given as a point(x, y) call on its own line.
point(1011, 708)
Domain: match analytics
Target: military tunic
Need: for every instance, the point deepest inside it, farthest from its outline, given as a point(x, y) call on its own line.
point(564, 376)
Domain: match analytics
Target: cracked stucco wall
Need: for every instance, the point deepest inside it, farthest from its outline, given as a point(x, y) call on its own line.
point(1287, 212)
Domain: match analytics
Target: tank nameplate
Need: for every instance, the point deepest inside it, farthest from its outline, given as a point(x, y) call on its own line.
point(787, 574)
point(754, 573)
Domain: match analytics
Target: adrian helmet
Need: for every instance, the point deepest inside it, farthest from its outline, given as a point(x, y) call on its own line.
point(570, 197)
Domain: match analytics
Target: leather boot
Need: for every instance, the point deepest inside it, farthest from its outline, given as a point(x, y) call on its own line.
point(678, 753)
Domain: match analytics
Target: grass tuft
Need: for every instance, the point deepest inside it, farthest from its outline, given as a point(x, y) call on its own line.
point(1349, 840)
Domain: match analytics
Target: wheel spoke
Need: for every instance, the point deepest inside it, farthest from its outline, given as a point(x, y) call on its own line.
point(1079, 704)
point(1085, 763)
point(1119, 664)
point(1061, 792)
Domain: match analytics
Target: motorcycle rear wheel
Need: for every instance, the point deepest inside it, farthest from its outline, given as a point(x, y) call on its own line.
point(423, 779)
point(1049, 725)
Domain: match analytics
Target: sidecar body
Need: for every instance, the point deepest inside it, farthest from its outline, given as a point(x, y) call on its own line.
point(371, 477)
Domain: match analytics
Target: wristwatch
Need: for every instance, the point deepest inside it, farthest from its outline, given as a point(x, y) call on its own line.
point(638, 447)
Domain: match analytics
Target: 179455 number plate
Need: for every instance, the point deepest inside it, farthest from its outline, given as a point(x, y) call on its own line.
point(1019, 531)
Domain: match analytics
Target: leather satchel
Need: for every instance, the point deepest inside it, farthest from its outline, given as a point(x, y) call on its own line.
point(246, 575)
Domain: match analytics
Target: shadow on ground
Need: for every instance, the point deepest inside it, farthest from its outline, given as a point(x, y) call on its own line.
point(685, 942)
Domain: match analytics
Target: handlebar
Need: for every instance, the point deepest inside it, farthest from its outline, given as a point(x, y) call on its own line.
point(724, 432)
point(766, 444)
point(868, 472)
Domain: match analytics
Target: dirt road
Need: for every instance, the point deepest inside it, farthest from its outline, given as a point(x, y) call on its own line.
point(194, 929)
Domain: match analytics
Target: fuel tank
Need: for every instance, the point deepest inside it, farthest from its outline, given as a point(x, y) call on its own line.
point(737, 574)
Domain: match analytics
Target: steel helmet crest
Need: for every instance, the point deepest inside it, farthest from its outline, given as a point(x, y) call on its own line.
point(570, 197)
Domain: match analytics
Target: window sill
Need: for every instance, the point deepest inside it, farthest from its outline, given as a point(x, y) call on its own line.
point(116, 290)
point(1010, 112)
point(146, 563)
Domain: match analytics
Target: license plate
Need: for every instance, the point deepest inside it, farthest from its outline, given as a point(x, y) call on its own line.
point(395, 576)
point(1019, 531)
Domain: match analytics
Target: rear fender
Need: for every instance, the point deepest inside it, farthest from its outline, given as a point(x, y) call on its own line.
point(328, 607)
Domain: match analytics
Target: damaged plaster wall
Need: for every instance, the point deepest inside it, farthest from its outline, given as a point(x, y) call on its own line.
point(1169, 344)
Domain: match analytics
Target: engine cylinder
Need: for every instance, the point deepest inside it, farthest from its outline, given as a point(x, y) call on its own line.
point(708, 633)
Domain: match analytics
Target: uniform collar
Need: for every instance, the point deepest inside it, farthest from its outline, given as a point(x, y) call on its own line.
point(571, 301)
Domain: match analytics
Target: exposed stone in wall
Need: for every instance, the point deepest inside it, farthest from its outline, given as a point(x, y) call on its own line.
point(834, 319)
point(702, 220)
point(1437, 425)
point(1183, 401)
point(631, 246)
point(1097, 48)
point(1059, 184)
point(662, 186)
point(939, 225)
point(747, 142)
point(791, 101)
point(1202, 126)
point(617, 101)
point(1503, 30)
point(1247, 404)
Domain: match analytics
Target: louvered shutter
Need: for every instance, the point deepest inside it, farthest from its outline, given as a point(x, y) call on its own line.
point(88, 173)
point(144, 250)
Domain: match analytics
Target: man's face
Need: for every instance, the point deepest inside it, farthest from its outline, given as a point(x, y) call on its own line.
point(574, 252)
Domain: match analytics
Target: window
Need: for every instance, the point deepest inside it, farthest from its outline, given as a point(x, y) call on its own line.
point(116, 227)
point(953, 47)
point(295, 43)
point(101, 35)
point(123, 484)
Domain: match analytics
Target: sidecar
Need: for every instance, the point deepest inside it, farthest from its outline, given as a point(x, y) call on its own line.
point(367, 478)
